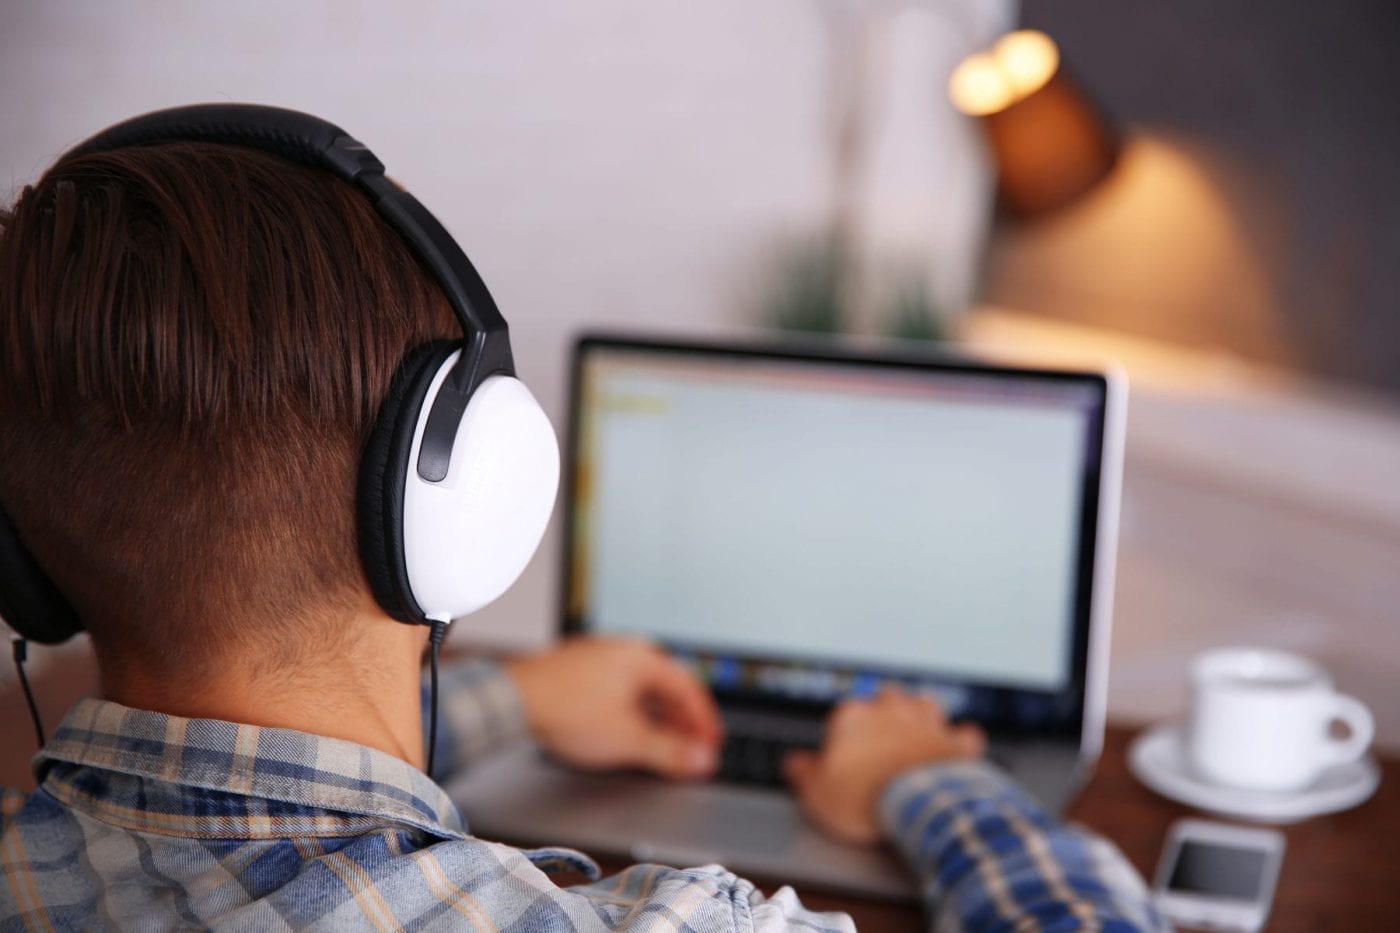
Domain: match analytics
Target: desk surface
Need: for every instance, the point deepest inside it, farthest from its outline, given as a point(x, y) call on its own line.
point(1341, 872)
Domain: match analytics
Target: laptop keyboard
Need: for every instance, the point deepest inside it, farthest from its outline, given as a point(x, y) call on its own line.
point(756, 744)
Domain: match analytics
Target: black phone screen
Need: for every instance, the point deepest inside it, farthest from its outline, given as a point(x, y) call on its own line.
point(1217, 870)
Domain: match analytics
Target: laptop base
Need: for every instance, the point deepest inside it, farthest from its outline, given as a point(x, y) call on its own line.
point(522, 797)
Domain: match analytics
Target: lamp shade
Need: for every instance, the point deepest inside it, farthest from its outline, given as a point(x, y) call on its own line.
point(1051, 143)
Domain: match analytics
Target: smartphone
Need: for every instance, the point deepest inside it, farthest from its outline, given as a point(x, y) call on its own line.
point(1218, 876)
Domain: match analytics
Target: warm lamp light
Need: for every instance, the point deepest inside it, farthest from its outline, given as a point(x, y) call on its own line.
point(1051, 143)
point(979, 86)
point(1029, 59)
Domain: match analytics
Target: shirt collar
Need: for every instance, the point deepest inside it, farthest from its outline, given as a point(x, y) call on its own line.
point(209, 778)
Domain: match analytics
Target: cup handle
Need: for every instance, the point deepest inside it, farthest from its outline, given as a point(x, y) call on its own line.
point(1363, 728)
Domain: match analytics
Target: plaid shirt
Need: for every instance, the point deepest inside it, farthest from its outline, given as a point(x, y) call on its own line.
point(150, 821)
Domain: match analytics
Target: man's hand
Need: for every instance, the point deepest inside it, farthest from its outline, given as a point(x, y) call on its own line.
point(868, 744)
point(620, 703)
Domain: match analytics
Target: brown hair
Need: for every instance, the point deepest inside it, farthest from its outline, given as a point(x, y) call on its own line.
point(194, 340)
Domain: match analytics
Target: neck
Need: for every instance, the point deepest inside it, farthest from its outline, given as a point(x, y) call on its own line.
point(364, 687)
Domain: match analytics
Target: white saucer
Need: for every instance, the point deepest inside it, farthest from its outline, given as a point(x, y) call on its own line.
point(1158, 758)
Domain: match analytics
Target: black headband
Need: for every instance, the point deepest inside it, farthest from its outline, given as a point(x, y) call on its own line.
point(313, 141)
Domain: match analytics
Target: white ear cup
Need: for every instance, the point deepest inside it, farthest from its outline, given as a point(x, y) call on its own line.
point(468, 538)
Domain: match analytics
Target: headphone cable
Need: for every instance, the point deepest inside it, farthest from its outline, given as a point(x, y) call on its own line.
point(434, 642)
point(21, 652)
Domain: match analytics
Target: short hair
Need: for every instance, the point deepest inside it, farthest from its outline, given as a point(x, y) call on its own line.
point(194, 341)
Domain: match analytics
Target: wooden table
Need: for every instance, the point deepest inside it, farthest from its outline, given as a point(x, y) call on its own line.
point(1341, 872)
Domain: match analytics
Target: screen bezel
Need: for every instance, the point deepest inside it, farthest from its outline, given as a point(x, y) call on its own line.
point(1072, 713)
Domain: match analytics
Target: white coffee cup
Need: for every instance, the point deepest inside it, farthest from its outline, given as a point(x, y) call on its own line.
point(1264, 720)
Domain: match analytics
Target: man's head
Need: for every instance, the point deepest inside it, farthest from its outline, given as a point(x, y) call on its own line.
point(194, 340)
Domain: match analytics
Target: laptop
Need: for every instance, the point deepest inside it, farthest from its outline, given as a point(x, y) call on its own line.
point(801, 523)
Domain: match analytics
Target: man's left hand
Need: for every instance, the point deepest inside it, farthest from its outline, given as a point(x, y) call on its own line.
point(620, 703)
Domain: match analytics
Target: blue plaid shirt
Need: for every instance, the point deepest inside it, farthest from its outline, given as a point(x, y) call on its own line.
point(149, 821)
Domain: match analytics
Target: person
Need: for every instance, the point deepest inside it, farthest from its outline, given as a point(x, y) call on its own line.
point(194, 340)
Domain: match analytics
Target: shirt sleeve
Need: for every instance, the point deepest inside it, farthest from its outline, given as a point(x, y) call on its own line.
point(989, 858)
point(479, 712)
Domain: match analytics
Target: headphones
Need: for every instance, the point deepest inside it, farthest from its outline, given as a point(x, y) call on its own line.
point(458, 479)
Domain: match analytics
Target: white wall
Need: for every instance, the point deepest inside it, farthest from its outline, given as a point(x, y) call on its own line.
point(609, 162)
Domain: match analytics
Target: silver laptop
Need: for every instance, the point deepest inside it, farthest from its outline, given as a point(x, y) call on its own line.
point(799, 525)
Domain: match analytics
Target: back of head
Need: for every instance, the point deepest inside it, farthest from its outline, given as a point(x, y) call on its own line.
point(194, 340)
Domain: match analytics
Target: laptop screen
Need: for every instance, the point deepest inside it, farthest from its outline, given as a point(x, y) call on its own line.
point(808, 527)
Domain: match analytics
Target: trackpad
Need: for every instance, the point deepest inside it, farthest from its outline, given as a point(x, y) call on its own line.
point(520, 797)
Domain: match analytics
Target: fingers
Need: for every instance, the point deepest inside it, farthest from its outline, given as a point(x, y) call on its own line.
point(800, 767)
point(673, 754)
point(687, 702)
point(681, 735)
point(890, 700)
point(890, 694)
point(893, 708)
point(845, 717)
point(969, 741)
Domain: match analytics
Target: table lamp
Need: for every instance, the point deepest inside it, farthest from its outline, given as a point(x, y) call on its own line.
point(1050, 141)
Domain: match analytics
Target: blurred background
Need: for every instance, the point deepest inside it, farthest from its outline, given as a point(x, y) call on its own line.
point(1216, 209)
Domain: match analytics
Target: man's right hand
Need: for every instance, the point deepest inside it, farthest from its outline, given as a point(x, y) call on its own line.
point(868, 744)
